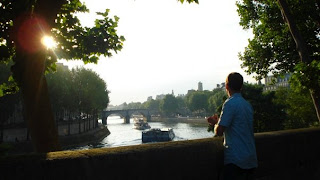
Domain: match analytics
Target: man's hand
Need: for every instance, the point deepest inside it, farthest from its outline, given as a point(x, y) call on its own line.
point(212, 120)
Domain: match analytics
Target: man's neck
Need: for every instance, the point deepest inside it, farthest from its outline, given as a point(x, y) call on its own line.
point(231, 92)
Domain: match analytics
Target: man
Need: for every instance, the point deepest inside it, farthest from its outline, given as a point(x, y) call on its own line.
point(236, 124)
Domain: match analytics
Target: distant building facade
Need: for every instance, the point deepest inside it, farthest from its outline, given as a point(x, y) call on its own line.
point(160, 97)
point(200, 87)
point(222, 85)
point(64, 67)
point(191, 91)
point(273, 83)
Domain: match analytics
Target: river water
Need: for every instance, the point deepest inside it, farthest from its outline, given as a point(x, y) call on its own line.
point(124, 135)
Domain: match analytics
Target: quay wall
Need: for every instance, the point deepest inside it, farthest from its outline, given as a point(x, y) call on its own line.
point(64, 129)
point(66, 141)
point(291, 154)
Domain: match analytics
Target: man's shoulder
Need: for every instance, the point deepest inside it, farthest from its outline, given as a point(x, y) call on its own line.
point(236, 100)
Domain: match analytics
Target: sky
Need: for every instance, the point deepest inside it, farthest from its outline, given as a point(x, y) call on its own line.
point(169, 47)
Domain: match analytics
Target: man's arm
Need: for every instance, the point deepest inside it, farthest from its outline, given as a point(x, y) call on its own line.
point(213, 121)
point(218, 130)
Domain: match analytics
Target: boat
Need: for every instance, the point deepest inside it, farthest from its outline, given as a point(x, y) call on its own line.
point(158, 135)
point(140, 124)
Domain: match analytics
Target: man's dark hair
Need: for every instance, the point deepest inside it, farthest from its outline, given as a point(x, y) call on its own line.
point(234, 81)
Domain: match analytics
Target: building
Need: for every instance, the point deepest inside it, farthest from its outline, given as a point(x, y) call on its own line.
point(160, 97)
point(191, 91)
point(65, 68)
point(149, 98)
point(200, 87)
point(272, 83)
point(222, 85)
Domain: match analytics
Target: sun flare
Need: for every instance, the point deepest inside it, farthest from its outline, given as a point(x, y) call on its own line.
point(49, 42)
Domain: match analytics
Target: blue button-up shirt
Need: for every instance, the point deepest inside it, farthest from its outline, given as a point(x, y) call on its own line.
point(237, 118)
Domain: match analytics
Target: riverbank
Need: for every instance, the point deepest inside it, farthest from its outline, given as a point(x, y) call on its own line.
point(193, 120)
point(66, 141)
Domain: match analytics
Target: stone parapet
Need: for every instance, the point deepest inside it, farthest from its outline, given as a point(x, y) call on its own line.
point(292, 154)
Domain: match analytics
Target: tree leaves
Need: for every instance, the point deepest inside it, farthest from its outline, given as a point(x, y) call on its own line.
point(85, 43)
point(189, 1)
point(79, 89)
point(273, 49)
point(306, 76)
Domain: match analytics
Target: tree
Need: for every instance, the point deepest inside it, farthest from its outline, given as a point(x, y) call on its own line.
point(198, 102)
point(9, 102)
point(153, 105)
point(298, 106)
point(168, 105)
point(268, 116)
point(61, 90)
point(134, 105)
point(23, 24)
point(78, 91)
point(90, 90)
point(216, 100)
point(286, 39)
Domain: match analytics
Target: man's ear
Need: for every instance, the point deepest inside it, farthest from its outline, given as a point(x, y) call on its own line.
point(227, 86)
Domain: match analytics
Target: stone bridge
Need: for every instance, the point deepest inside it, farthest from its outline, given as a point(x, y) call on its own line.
point(126, 114)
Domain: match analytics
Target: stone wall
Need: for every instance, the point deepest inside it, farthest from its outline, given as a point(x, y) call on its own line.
point(282, 155)
point(64, 129)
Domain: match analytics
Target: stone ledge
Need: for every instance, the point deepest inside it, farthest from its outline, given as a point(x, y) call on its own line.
point(288, 154)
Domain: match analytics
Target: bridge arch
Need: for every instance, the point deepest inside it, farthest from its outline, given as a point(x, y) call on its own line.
point(126, 114)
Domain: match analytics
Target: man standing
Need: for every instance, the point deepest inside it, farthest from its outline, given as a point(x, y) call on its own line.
point(236, 124)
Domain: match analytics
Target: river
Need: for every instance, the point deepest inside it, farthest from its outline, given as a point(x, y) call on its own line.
point(124, 135)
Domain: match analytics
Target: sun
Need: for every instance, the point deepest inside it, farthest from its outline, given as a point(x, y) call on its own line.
point(49, 42)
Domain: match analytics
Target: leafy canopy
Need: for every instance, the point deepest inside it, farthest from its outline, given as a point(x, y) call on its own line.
point(57, 19)
point(272, 48)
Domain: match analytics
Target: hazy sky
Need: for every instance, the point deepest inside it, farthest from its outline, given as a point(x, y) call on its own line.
point(169, 46)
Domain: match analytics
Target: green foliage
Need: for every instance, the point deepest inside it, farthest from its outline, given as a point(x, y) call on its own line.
point(7, 83)
point(197, 101)
point(306, 76)
point(73, 40)
point(268, 116)
point(190, 1)
point(297, 105)
point(8, 97)
point(134, 105)
point(169, 105)
point(266, 52)
point(153, 105)
point(273, 49)
point(216, 100)
point(85, 43)
point(77, 90)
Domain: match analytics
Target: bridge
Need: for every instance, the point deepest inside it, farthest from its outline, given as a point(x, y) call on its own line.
point(126, 114)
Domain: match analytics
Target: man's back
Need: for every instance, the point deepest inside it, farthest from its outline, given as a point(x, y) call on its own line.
point(237, 118)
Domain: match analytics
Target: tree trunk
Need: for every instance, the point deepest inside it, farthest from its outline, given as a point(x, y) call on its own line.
point(39, 116)
point(315, 95)
point(29, 27)
point(28, 71)
point(302, 49)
